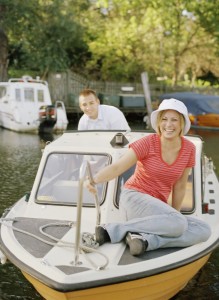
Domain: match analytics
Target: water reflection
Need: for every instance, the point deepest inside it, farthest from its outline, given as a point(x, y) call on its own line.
point(46, 137)
point(211, 144)
point(19, 155)
point(19, 159)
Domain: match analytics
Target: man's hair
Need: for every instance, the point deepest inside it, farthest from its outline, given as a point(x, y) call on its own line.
point(87, 92)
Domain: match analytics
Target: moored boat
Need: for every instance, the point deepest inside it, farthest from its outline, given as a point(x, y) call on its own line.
point(49, 235)
point(203, 109)
point(26, 106)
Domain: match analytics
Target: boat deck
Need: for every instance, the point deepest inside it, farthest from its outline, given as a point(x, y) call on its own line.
point(40, 249)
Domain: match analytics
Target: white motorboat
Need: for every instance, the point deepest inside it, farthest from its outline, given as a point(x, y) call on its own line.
point(49, 234)
point(26, 106)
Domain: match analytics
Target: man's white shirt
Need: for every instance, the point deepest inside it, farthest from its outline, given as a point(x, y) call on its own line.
point(109, 117)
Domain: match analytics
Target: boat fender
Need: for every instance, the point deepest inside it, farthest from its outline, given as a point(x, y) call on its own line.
point(3, 258)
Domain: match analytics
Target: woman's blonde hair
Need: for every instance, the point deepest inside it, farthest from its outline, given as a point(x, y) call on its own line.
point(181, 118)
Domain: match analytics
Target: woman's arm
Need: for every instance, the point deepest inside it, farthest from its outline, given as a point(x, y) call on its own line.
point(179, 190)
point(114, 170)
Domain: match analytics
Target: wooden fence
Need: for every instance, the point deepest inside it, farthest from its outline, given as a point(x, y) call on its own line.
point(67, 86)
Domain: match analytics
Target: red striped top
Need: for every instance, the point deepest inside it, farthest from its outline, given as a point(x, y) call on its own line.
point(154, 176)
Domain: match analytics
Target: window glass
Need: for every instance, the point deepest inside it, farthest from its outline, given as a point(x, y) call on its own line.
point(121, 181)
point(60, 180)
point(18, 95)
point(2, 91)
point(40, 95)
point(29, 95)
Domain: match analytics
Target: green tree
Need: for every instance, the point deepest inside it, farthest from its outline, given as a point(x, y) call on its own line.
point(191, 48)
point(111, 39)
point(43, 35)
point(3, 55)
point(161, 37)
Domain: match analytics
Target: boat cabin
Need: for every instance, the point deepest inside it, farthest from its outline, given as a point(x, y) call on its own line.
point(60, 172)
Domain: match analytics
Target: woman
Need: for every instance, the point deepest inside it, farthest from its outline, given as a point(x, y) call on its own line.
point(163, 162)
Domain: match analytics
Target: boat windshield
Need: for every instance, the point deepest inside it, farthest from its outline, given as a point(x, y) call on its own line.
point(59, 183)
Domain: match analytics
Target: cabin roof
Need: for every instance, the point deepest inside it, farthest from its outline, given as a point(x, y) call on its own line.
point(100, 141)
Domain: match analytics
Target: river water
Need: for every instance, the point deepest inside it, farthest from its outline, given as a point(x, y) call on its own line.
point(19, 158)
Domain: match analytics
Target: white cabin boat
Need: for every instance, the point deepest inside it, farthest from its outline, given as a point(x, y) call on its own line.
point(26, 106)
point(49, 235)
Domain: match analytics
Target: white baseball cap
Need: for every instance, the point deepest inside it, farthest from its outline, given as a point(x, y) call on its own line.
point(173, 104)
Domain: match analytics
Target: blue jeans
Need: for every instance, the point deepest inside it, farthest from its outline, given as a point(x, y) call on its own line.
point(159, 223)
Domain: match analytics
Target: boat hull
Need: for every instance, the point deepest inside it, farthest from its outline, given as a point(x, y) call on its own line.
point(205, 120)
point(158, 287)
point(203, 109)
point(211, 120)
point(8, 121)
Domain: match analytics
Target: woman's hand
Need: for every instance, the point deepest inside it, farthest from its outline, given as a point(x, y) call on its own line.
point(90, 186)
point(112, 171)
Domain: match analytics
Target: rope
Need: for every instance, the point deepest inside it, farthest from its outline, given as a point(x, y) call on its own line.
point(89, 244)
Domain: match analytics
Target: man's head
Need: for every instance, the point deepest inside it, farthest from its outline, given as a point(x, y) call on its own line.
point(89, 102)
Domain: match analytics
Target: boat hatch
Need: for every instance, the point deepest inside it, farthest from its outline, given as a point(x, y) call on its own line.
point(60, 179)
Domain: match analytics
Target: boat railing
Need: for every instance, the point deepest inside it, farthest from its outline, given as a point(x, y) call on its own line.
point(85, 172)
point(28, 79)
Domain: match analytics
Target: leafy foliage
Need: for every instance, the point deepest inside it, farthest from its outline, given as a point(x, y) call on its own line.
point(43, 35)
point(166, 38)
point(114, 39)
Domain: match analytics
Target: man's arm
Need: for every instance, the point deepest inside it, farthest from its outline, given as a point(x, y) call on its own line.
point(118, 121)
point(81, 124)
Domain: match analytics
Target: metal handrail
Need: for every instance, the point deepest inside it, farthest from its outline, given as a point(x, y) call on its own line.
point(85, 171)
point(97, 203)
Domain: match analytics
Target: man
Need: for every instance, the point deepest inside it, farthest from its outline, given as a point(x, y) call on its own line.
point(97, 116)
